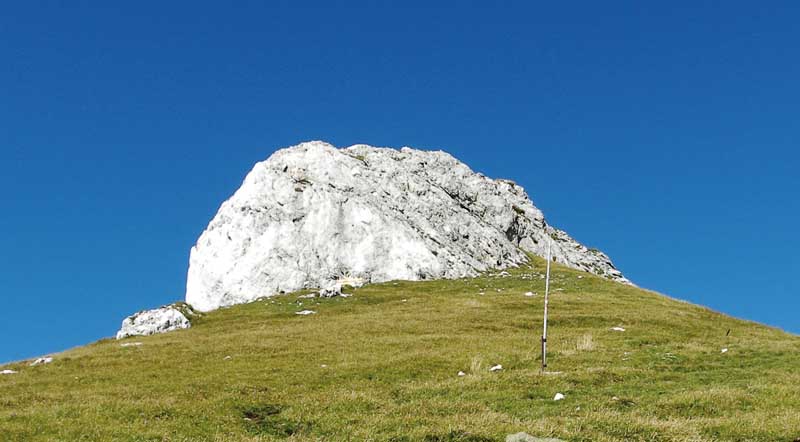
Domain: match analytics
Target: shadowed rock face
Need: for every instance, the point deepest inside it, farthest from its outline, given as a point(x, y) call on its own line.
point(313, 214)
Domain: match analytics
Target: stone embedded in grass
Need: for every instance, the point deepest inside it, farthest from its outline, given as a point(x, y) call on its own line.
point(461, 373)
point(724, 350)
point(529, 294)
point(8, 372)
point(331, 291)
point(308, 296)
point(497, 367)
point(619, 329)
point(525, 437)
point(130, 344)
point(305, 312)
point(41, 361)
point(558, 397)
point(160, 320)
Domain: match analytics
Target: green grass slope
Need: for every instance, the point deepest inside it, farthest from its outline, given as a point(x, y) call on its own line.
point(382, 366)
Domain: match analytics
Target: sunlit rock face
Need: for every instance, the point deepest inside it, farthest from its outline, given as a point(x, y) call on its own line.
point(312, 214)
point(160, 320)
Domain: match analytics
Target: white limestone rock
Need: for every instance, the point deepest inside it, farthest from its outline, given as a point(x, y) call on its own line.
point(313, 215)
point(160, 320)
point(42, 361)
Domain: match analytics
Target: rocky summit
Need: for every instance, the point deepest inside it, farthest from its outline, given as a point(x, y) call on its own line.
point(313, 215)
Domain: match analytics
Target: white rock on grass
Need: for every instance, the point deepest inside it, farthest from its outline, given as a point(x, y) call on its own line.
point(497, 367)
point(525, 437)
point(331, 291)
point(724, 350)
point(558, 397)
point(130, 344)
point(305, 312)
point(160, 320)
point(42, 361)
point(530, 294)
point(312, 215)
point(619, 329)
point(8, 372)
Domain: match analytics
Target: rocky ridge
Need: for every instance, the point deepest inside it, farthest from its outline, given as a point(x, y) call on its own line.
point(312, 216)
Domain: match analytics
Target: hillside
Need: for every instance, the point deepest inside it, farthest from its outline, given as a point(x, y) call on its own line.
point(382, 365)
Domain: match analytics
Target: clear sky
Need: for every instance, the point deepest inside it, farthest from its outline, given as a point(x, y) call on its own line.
point(665, 135)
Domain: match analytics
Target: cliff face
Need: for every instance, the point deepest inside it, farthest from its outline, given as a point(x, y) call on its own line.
point(312, 215)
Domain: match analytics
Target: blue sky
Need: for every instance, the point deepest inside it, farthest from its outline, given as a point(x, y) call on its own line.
point(665, 135)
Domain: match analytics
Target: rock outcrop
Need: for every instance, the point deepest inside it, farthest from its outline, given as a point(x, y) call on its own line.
point(160, 320)
point(313, 215)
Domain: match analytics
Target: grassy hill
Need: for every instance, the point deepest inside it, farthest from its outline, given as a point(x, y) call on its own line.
point(382, 365)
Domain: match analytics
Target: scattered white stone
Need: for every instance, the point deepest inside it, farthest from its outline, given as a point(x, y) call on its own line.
point(324, 366)
point(504, 274)
point(312, 212)
point(160, 320)
point(8, 372)
point(525, 437)
point(41, 361)
point(619, 329)
point(724, 350)
point(615, 398)
point(558, 397)
point(308, 296)
point(346, 295)
point(529, 294)
point(331, 291)
point(130, 344)
point(227, 358)
point(497, 367)
point(404, 300)
point(305, 312)
point(461, 373)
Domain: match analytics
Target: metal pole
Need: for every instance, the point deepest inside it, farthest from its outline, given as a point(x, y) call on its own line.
point(546, 298)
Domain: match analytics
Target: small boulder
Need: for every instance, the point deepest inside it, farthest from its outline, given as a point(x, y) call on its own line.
point(559, 397)
point(331, 291)
point(619, 329)
point(461, 373)
point(8, 372)
point(497, 367)
point(160, 320)
point(305, 312)
point(41, 361)
point(525, 437)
